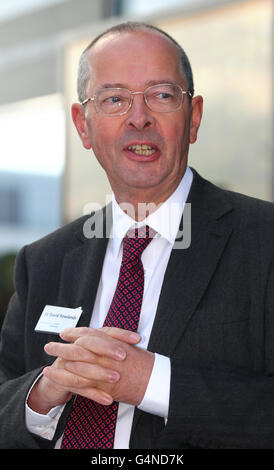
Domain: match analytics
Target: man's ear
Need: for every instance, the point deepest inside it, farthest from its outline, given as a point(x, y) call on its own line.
point(79, 119)
point(197, 112)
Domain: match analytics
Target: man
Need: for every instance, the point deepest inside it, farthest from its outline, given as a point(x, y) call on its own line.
point(197, 370)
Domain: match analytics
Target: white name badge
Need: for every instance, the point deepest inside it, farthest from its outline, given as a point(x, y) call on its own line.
point(56, 319)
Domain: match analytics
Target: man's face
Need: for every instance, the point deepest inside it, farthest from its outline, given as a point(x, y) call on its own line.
point(135, 61)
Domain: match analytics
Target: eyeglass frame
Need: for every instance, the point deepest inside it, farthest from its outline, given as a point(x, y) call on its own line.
point(93, 98)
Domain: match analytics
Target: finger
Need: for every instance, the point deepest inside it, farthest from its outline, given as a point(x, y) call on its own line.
point(122, 335)
point(64, 378)
point(95, 394)
point(71, 334)
point(69, 352)
point(93, 372)
point(76, 385)
point(102, 346)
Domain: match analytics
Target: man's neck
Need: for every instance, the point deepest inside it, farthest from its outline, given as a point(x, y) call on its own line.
point(140, 203)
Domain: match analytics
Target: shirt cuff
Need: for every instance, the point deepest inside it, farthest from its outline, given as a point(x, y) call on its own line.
point(156, 399)
point(42, 425)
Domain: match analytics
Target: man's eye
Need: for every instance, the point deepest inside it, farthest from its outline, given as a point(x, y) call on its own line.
point(163, 96)
point(113, 99)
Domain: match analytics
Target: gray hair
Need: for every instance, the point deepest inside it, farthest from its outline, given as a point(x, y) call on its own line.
point(84, 71)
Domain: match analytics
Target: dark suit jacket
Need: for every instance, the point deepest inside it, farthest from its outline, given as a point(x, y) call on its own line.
point(215, 320)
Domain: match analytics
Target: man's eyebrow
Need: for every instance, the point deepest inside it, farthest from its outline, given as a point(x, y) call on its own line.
point(147, 84)
point(158, 82)
point(113, 85)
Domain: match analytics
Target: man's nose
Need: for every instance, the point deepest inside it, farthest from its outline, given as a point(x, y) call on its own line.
point(139, 116)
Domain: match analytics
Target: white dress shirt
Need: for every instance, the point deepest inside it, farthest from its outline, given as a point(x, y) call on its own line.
point(165, 221)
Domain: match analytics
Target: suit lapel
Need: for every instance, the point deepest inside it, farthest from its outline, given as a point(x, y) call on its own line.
point(190, 270)
point(82, 268)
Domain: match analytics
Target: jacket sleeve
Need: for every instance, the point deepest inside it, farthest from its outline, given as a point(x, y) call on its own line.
point(15, 380)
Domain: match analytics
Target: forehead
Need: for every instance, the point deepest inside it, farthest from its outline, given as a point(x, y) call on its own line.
point(134, 58)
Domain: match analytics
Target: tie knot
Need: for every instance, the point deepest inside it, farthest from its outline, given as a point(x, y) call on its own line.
point(135, 241)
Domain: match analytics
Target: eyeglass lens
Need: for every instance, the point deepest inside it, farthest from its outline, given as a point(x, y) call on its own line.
point(159, 98)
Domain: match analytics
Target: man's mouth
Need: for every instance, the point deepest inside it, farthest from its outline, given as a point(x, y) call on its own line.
point(142, 149)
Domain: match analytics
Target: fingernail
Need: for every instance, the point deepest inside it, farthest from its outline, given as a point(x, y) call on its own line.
point(113, 377)
point(106, 401)
point(135, 336)
point(63, 333)
point(120, 354)
point(46, 372)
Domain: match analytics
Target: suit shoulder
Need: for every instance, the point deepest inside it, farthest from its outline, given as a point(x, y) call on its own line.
point(252, 209)
point(245, 209)
point(59, 241)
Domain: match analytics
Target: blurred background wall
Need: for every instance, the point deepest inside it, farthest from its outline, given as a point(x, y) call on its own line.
point(48, 179)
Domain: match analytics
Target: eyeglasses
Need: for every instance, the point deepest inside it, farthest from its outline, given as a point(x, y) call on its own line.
point(162, 98)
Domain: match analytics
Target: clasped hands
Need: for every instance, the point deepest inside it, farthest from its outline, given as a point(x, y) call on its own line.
point(102, 364)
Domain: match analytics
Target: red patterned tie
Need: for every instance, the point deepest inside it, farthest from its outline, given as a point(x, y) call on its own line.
point(91, 425)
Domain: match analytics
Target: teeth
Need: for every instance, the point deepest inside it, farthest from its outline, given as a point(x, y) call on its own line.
point(142, 149)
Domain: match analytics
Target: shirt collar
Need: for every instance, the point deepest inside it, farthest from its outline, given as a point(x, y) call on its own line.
point(165, 220)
